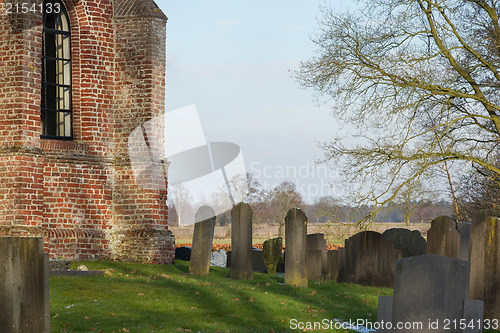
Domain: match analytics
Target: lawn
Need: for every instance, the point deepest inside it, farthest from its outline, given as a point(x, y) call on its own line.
point(165, 298)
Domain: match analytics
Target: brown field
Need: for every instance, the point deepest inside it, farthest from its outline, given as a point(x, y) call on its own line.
point(335, 233)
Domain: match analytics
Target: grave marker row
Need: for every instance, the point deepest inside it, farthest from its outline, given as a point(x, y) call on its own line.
point(368, 257)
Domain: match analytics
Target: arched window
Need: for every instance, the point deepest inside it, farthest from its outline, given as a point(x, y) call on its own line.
point(56, 108)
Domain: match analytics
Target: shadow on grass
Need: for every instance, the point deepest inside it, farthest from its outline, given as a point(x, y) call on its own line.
point(155, 298)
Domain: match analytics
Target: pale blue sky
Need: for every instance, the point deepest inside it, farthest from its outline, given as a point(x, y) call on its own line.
point(232, 59)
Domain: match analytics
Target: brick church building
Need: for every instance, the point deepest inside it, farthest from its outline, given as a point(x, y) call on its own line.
point(77, 77)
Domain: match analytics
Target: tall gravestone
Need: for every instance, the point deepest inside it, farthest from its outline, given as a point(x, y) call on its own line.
point(24, 283)
point(485, 261)
point(203, 236)
point(317, 242)
point(368, 259)
point(241, 242)
point(431, 290)
point(443, 237)
point(411, 243)
point(296, 248)
point(272, 249)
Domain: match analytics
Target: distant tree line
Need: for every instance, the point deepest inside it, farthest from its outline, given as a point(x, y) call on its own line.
point(271, 205)
point(475, 192)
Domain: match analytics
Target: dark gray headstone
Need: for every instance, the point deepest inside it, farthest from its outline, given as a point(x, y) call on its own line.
point(314, 265)
point(411, 243)
point(473, 310)
point(183, 253)
point(272, 249)
point(341, 263)
point(228, 261)
point(368, 259)
point(281, 265)
point(241, 242)
point(332, 265)
point(464, 230)
point(318, 242)
point(429, 288)
point(258, 261)
point(443, 237)
point(384, 311)
point(296, 248)
point(202, 242)
point(24, 285)
point(485, 261)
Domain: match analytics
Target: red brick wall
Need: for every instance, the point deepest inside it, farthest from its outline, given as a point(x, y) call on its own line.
point(81, 194)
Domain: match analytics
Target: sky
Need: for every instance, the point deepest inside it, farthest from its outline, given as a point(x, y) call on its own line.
point(234, 61)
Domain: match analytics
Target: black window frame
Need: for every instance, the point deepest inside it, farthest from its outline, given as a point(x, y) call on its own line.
point(50, 109)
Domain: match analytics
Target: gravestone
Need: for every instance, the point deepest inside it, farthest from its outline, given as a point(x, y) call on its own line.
point(332, 265)
point(296, 248)
point(183, 253)
point(218, 258)
point(342, 260)
point(384, 310)
point(202, 241)
point(368, 259)
point(443, 237)
point(314, 265)
point(465, 244)
point(258, 260)
point(411, 243)
point(485, 261)
point(430, 289)
point(281, 265)
point(318, 242)
point(272, 249)
point(241, 242)
point(24, 283)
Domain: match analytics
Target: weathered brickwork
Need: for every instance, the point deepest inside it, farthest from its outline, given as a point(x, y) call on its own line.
point(81, 195)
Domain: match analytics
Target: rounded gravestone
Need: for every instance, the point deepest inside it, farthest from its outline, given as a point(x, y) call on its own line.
point(318, 242)
point(411, 243)
point(203, 236)
point(443, 237)
point(296, 248)
point(368, 259)
point(241, 242)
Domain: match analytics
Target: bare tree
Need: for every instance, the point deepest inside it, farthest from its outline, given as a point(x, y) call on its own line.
point(280, 200)
point(478, 191)
point(420, 79)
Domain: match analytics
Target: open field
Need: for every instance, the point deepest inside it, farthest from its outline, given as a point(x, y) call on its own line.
point(334, 233)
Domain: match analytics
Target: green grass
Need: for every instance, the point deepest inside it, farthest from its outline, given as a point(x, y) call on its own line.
point(164, 298)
